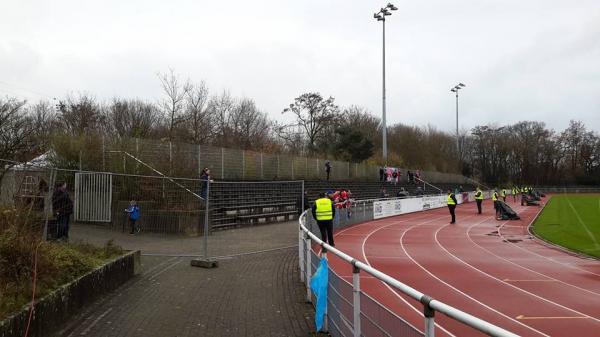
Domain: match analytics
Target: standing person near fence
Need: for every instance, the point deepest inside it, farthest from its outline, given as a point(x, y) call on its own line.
point(503, 194)
point(133, 214)
point(452, 205)
point(478, 199)
point(62, 206)
point(328, 168)
point(324, 212)
point(205, 179)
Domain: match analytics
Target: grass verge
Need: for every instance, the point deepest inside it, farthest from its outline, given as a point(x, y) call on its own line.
point(572, 221)
point(57, 263)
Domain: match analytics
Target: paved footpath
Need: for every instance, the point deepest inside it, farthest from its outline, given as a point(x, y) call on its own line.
point(255, 294)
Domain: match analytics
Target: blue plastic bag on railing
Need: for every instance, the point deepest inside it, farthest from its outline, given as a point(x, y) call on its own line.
point(318, 285)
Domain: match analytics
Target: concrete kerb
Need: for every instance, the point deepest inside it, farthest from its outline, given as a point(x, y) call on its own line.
point(56, 308)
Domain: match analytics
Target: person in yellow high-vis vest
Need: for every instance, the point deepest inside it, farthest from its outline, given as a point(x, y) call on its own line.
point(514, 193)
point(324, 212)
point(478, 199)
point(503, 194)
point(495, 200)
point(452, 205)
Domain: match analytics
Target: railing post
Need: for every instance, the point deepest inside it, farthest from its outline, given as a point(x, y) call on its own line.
point(356, 298)
point(301, 253)
point(308, 268)
point(429, 314)
point(243, 164)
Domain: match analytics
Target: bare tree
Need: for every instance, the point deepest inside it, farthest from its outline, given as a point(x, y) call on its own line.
point(200, 121)
point(314, 115)
point(221, 108)
point(249, 126)
point(132, 118)
point(78, 115)
point(16, 133)
point(173, 103)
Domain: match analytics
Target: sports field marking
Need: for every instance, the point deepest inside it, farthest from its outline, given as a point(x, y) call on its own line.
point(530, 280)
point(509, 284)
point(542, 243)
point(591, 235)
point(392, 290)
point(94, 322)
point(522, 317)
point(458, 290)
point(547, 278)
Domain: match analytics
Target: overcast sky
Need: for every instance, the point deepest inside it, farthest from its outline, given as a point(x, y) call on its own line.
point(520, 59)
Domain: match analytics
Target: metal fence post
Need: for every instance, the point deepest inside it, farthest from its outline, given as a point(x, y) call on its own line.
point(277, 166)
point(199, 164)
point(243, 164)
point(348, 169)
point(206, 219)
point(103, 155)
point(170, 158)
point(429, 314)
point(262, 175)
point(308, 268)
point(356, 299)
point(293, 168)
point(222, 163)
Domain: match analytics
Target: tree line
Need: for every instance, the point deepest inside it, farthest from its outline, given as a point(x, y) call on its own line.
point(525, 152)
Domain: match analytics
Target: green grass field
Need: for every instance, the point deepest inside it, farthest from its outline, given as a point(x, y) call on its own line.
point(572, 221)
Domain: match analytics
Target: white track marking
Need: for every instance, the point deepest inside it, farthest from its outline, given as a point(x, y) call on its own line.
point(510, 285)
point(589, 233)
point(84, 332)
point(388, 286)
point(523, 267)
point(456, 289)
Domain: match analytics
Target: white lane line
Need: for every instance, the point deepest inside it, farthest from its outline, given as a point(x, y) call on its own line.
point(509, 284)
point(458, 290)
point(469, 236)
point(151, 278)
point(84, 332)
point(158, 266)
point(589, 233)
point(418, 311)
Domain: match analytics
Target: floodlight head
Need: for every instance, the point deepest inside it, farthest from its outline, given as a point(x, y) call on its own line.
point(453, 89)
point(375, 16)
point(380, 19)
point(392, 7)
point(385, 12)
point(462, 85)
point(457, 87)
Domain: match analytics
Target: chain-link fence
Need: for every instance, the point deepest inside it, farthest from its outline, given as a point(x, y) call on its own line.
point(151, 157)
point(172, 214)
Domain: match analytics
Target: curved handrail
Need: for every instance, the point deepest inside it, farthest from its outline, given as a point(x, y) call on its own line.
point(428, 302)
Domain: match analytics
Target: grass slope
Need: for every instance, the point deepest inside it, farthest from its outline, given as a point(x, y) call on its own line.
point(572, 221)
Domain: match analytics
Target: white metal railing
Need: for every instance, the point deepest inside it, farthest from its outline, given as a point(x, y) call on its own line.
point(430, 305)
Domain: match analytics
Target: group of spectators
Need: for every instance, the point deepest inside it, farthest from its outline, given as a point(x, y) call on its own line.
point(393, 175)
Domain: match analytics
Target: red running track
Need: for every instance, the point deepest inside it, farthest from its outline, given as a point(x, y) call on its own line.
point(491, 269)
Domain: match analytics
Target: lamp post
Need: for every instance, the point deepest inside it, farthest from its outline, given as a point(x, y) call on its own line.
point(380, 16)
point(455, 90)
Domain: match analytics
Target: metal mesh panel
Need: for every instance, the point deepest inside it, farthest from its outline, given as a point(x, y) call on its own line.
point(377, 320)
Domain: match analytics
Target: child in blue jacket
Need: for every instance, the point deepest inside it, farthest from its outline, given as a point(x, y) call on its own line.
point(133, 214)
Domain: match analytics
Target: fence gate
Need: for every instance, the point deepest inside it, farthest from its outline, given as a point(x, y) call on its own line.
point(93, 197)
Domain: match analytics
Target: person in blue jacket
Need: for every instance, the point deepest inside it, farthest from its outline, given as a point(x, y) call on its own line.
point(134, 214)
